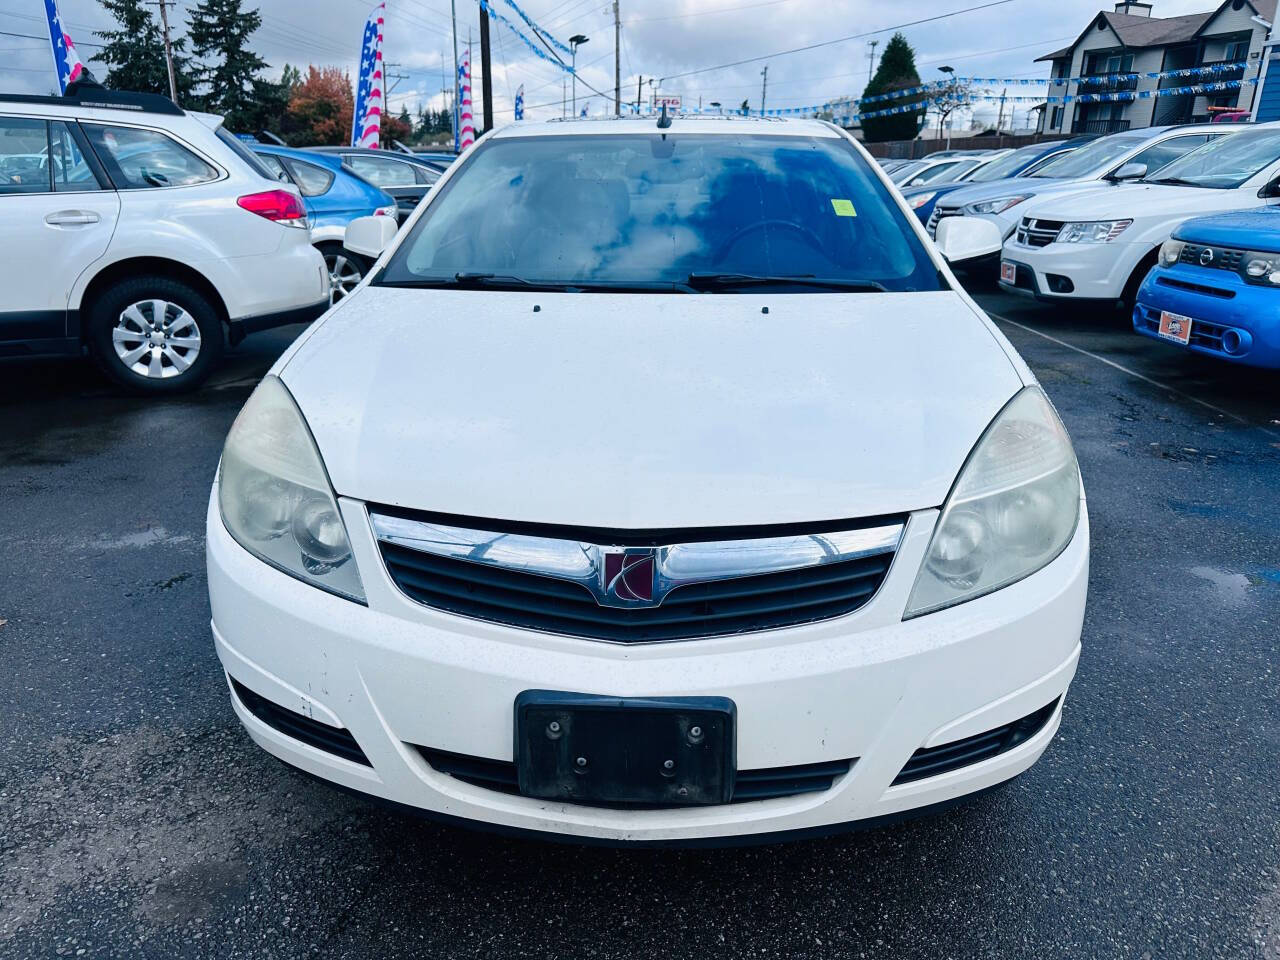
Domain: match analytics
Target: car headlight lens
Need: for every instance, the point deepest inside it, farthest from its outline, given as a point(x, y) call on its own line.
point(998, 205)
point(1262, 268)
point(275, 497)
point(1093, 231)
point(1013, 509)
point(920, 199)
point(1171, 252)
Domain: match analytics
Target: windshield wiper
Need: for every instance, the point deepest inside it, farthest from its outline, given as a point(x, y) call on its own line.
point(1175, 182)
point(730, 281)
point(501, 281)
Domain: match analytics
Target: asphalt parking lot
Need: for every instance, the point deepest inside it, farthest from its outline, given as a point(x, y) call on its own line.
point(136, 819)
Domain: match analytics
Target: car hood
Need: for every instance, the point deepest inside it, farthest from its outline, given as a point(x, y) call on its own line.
point(649, 411)
point(977, 192)
point(941, 189)
point(1136, 201)
point(1249, 230)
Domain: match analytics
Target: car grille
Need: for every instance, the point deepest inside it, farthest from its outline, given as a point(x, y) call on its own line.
point(933, 761)
point(496, 577)
point(1222, 258)
point(765, 784)
point(939, 212)
point(1206, 335)
point(335, 740)
point(1038, 233)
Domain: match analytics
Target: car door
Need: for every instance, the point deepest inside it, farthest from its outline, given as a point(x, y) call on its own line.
point(56, 218)
point(399, 178)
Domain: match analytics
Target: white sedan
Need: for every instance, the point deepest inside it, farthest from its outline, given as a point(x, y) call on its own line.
point(1099, 243)
point(659, 485)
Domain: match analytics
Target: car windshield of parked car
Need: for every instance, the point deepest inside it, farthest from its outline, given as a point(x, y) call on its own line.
point(1225, 163)
point(902, 174)
point(667, 211)
point(1086, 160)
point(1007, 166)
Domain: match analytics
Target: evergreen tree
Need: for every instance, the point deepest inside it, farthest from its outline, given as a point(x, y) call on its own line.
point(897, 71)
point(271, 101)
point(134, 53)
point(228, 73)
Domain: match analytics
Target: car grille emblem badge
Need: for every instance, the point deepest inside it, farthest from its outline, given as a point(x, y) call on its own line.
point(628, 576)
point(1206, 256)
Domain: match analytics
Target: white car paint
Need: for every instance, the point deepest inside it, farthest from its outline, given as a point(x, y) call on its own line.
point(1101, 271)
point(256, 266)
point(633, 411)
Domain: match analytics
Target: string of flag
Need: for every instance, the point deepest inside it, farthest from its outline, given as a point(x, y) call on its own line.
point(537, 50)
point(1214, 68)
point(538, 30)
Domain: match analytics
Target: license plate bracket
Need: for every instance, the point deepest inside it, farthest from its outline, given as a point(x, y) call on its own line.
point(1009, 272)
point(1175, 327)
point(627, 744)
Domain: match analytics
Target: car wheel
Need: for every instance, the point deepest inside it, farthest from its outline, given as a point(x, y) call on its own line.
point(155, 334)
point(346, 270)
point(1129, 298)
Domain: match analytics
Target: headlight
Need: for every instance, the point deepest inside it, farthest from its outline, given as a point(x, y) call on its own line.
point(1013, 509)
point(998, 205)
point(275, 497)
point(1171, 252)
point(1093, 231)
point(920, 200)
point(1261, 267)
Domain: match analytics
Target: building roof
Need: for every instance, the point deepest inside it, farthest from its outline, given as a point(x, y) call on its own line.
point(1135, 31)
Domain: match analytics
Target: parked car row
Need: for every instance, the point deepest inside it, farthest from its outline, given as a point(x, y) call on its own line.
point(1123, 221)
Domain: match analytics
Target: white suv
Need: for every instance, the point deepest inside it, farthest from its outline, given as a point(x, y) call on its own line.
point(1099, 244)
point(140, 231)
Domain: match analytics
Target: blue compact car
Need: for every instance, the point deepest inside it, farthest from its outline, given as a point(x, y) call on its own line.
point(1216, 289)
point(334, 196)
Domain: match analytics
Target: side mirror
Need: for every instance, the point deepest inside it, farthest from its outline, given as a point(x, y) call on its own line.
point(1130, 171)
point(964, 238)
point(370, 235)
point(1270, 190)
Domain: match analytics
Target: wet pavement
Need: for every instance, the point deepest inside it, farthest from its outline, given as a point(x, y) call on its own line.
point(136, 819)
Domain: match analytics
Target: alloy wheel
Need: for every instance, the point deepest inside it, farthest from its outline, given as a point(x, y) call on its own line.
point(344, 275)
point(156, 339)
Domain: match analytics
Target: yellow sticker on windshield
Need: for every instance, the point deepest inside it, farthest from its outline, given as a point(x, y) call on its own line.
point(843, 208)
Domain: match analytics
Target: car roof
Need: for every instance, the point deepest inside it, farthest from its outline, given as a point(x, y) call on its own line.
point(680, 123)
point(370, 152)
point(329, 161)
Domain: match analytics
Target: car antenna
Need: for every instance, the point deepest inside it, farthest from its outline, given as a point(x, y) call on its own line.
point(664, 121)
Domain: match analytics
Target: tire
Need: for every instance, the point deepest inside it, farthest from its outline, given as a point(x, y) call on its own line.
point(1129, 298)
point(174, 357)
point(346, 269)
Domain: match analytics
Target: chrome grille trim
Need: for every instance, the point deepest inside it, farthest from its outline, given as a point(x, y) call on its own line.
point(676, 564)
point(1038, 233)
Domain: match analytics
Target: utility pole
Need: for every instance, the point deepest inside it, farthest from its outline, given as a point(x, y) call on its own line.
point(486, 80)
point(453, 16)
point(639, 87)
point(168, 48)
point(872, 69)
point(617, 61)
point(391, 75)
point(764, 87)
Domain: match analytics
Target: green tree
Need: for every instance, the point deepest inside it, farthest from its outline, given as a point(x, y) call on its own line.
point(228, 74)
point(271, 101)
point(897, 71)
point(134, 53)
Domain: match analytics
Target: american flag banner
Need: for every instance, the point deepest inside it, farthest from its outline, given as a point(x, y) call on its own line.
point(65, 59)
point(366, 125)
point(520, 102)
point(466, 122)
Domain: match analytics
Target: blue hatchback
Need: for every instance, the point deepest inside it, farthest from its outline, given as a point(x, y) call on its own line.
point(334, 196)
point(1216, 289)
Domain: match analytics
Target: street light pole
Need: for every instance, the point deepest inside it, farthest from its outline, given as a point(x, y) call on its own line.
point(575, 42)
point(945, 111)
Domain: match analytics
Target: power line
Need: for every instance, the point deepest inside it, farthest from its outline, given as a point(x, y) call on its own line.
point(28, 36)
point(703, 13)
point(828, 43)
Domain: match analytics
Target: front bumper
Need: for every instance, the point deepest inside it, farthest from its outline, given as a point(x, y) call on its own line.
point(1231, 320)
point(1073, 271)
point(870, 686)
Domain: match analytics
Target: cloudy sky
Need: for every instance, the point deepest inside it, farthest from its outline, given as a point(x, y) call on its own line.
point(660, 39)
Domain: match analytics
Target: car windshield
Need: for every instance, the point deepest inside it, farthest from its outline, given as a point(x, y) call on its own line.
point(1007, 166)
point(944, 172)
point(903, 173)
point(1225, 163)
point(1085, 160)
point(664, 211)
